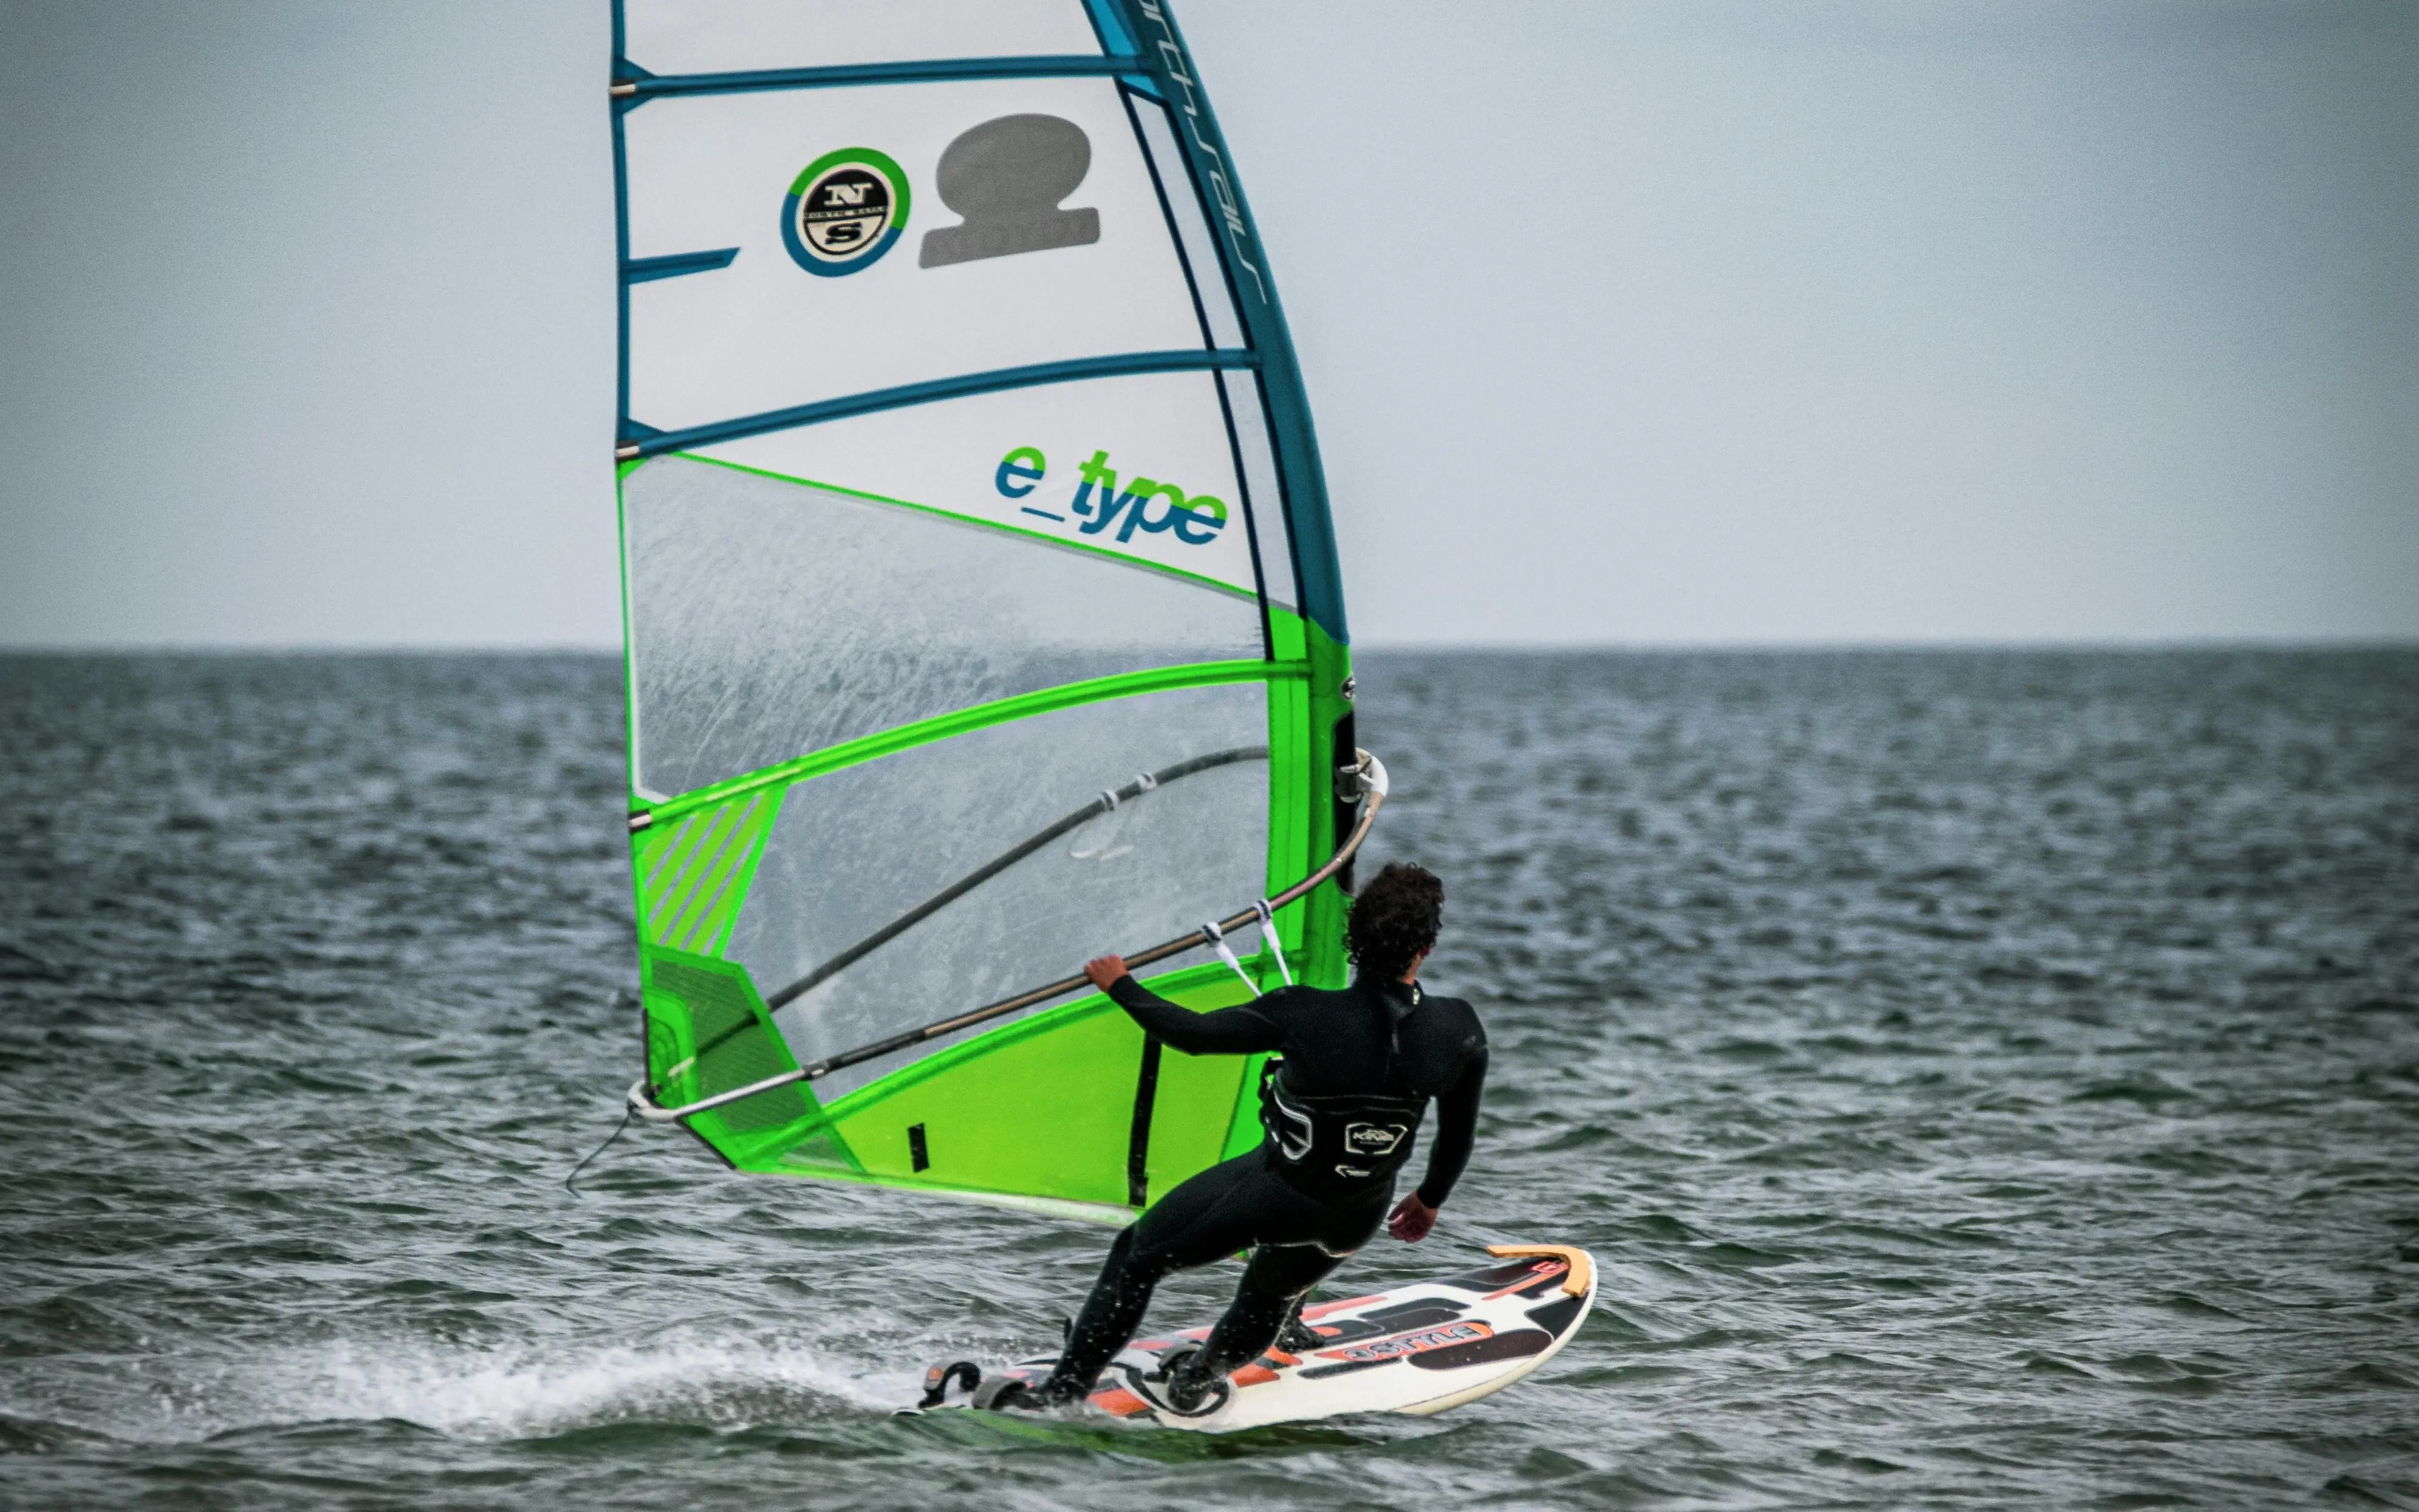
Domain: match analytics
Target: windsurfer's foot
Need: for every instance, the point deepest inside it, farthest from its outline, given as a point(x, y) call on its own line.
point(1006, 1394)
point(1187, 1384)
point(938, 1380)
point(1297, 1337)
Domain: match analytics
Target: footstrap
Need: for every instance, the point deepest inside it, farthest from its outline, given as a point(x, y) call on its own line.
point(938, 1380)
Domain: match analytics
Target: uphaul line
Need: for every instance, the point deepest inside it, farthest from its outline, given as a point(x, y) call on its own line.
point(1366, 771)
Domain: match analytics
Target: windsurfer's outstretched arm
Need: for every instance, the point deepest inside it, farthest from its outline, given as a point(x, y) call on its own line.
point(1227, 1032)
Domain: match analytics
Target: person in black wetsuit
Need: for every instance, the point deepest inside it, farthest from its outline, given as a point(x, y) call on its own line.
point(1342, 1114)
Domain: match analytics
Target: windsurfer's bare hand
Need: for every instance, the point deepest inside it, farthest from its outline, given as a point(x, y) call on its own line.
point(1105, 971)
point(1412, 1219)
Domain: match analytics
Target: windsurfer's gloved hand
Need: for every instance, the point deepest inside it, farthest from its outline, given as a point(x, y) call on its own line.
point(1412, 1219)
point(1105, 970)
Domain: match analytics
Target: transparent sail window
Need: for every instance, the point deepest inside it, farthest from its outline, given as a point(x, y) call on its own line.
point(1262, 493)
point(769, 618)
point(858, 848)
point(1192, 226)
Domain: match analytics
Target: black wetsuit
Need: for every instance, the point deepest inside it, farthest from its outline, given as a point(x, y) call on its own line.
point(1387, 1044)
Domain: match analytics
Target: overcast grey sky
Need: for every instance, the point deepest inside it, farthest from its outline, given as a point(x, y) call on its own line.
point(1626, 323)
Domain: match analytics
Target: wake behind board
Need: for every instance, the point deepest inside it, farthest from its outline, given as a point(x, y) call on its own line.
point(1418, 1348)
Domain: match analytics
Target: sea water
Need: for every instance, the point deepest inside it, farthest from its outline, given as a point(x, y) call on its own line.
point(1985, 1079)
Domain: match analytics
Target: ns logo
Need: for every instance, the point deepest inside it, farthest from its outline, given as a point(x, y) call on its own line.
point(1144, 505)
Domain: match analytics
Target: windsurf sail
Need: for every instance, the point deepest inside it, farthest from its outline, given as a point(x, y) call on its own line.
point(982, 609)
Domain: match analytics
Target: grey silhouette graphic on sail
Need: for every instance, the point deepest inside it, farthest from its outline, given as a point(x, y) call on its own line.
point(1005, 178)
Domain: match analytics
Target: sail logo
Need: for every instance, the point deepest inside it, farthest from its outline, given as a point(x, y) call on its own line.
point(1144, 505)
point(844, 210)
point(1373, 1138)
point(1468, 1330)
point(1004, 178)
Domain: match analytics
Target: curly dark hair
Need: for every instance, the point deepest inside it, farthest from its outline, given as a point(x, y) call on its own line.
point(1395, 919)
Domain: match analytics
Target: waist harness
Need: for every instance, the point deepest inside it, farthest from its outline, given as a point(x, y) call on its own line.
point(1348, 1142)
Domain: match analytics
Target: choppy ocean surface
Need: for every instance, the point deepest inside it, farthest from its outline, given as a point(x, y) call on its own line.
point(1987, 1079)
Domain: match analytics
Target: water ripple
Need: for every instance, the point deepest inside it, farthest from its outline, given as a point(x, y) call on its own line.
point(1985, 1079)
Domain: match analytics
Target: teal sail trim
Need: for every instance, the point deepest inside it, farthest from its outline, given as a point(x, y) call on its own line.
point(1169, 65)
point(647, 270)
point(645, 86)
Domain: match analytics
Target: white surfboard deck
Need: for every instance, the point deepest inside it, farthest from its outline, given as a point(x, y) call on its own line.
point(1418, 1348)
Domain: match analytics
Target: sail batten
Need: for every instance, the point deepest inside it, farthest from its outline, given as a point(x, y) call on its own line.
point(651, 441)
point(928, 70)
point(980, 599)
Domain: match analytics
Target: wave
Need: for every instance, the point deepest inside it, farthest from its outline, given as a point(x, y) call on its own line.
point(481, 1394)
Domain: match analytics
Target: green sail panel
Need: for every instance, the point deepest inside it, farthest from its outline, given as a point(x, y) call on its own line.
point(965, 478)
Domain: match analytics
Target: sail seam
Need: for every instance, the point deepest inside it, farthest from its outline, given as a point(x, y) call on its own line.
point(647, 270)
point(932, 70)
point(982, 717)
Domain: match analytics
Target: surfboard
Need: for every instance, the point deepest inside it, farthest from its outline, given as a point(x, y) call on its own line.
point(1418, 1349)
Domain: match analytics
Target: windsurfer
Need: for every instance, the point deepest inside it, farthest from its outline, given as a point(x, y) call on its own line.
point(1341, 1112)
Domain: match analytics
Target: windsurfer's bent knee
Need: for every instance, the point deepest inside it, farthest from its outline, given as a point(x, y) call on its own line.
point(1341, 1113)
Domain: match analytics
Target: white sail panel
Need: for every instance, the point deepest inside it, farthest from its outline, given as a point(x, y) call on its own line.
point(769, 620)
point(1141, 466)
point(855, 849)
point(669, 37)
point(1057, 249)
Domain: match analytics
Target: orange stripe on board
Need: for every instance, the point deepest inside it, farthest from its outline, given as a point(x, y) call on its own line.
point(1552, 1268)
point(1253, 1374)
point(1582, 1266)
point(1121, 1402)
